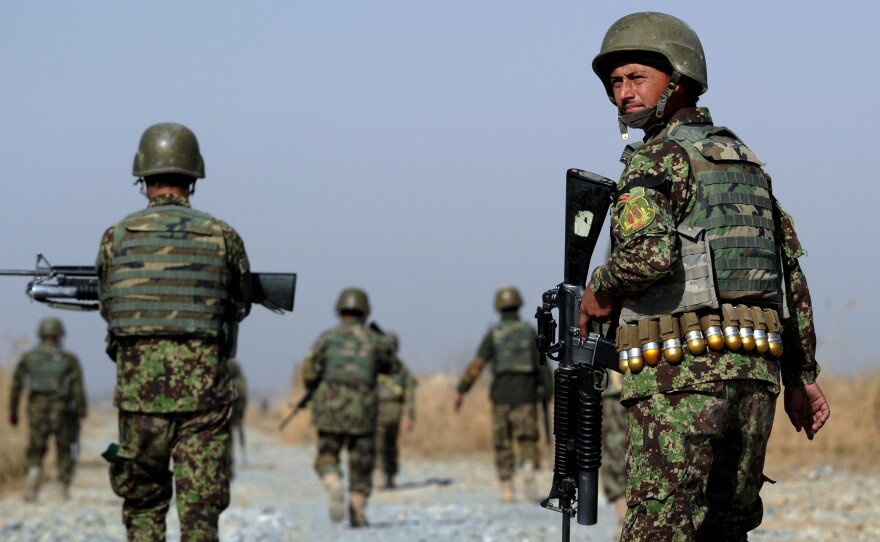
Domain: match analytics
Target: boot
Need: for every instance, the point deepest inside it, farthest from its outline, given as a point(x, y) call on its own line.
point(507, 491)
point(335, 496)
point(64, 492)
point(389, 481)
point(529, 487)
point(32, 483)
point(357, 506)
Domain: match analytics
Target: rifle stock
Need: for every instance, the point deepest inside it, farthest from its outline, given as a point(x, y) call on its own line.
point(580, 376)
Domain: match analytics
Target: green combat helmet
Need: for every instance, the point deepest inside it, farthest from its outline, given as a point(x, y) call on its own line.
point(353, 299)
point(507, 297)
point(640, 36)
point(168, 148)
point(51, 327)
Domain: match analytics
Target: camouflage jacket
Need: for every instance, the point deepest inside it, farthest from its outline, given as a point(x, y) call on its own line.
point(347, 407)
point(399, 387)
point(508, 388)
point(641, 256)
point(176, 373)
point(72, 378)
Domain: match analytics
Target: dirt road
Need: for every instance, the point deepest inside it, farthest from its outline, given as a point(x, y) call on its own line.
point(277, 497)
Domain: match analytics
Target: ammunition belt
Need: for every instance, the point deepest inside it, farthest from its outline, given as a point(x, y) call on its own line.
point(737, 328)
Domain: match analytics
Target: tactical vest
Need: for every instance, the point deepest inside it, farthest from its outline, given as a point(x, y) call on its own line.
point(168, 274)
point(514, 344)
point(727, 242)
point(350, 356)
point(392, 387)
point(46, 370)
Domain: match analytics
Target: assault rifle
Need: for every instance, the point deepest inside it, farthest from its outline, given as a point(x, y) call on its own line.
point(301, 404)
point(580, 376)
point(76, 287)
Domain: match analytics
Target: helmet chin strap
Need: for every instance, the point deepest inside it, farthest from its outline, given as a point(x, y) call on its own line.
point(643, 118)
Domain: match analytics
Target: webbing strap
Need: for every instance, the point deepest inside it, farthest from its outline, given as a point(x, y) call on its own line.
point(733, 177)
point(169, 258)
point(133, 306)
point(166, 242)
point(741, 285)
point(736, 220)
point(174, 290)
point(733, 264)
point(137, 273)
point(733, 198)
point(742, 242)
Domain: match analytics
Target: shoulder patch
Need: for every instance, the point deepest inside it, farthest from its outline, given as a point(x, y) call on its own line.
point(637, 213)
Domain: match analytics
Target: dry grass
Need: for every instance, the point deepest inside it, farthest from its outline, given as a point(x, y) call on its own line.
point(848, 440)
point(14, 441)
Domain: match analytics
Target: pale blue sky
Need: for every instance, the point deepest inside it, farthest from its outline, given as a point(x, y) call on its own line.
point(414, 148)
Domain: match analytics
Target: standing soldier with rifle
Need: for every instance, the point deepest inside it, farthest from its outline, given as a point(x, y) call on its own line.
point(704, 271)
point(396, 402)
point(52, 378)
point(174, 283)
point(518, 379)
point(340, 373)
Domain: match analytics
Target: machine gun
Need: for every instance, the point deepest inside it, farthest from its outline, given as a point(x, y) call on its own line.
point(580, 376)
point(76, 287)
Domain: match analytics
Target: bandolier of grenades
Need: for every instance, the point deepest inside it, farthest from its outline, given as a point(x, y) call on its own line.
point(739, 327)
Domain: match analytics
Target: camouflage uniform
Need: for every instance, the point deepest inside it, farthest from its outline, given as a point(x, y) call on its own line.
point(396, 396)
point(174, 390)
point(239, 406)
point(698, 429)
point(53, 380)
point(514, 392)
point(341, 367)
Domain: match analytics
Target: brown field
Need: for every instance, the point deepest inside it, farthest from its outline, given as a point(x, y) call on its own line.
point(848, 441)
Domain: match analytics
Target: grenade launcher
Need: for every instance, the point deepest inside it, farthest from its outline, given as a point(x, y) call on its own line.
point(76, 287)
point(580, 376)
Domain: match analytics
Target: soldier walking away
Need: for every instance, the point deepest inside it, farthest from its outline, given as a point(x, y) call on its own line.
point(704, 271)
point(341, 369)
point(52, 379)
point(397, 406)
point(239, 407)
point(173, 284)
point(518, 381)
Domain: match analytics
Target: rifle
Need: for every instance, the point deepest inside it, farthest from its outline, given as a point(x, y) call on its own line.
point(76, 287)
point(580, 376)
point(301, 404)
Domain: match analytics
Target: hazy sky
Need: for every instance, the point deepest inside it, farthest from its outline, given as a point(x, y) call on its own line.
point(413, 148)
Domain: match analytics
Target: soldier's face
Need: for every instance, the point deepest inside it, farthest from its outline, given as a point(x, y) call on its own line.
point(637, 86)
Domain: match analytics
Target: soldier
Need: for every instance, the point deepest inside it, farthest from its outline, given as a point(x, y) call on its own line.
point(705, 262)
point(173, 283)
point(396, 397)
point(56, 405)
point(518, 384)
point(239, 407)
point(341, 369)
point(613, 471)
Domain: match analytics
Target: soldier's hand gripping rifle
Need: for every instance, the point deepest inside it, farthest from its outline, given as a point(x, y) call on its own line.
point(76, 287)
point(580, 376)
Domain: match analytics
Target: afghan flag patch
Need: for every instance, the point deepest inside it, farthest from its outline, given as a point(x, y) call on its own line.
point(637, 213)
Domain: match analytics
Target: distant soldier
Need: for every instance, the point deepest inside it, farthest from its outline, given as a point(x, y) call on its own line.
point(239, 407)
point(518, 383)
point(341, 369)
point(56, 405)
point(396, 397)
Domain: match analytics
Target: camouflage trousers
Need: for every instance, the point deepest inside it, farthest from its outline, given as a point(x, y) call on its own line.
point(361, 458)
point(695, 459)
point(387, 434)
point(514, 423)
point(48, 417)
point(613, 470)
point(196, 443)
